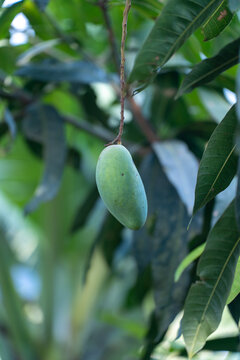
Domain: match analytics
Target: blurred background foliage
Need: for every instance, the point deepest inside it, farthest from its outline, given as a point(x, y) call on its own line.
point(74, 284)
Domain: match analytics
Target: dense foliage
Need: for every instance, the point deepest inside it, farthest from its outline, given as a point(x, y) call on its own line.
point(74, 283)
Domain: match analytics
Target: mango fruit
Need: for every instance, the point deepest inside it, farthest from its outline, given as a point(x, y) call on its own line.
point(120, 186)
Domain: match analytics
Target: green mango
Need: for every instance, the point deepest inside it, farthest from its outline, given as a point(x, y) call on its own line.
point(120, 186)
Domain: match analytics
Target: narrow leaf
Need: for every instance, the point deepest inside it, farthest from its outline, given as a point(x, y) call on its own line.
point(217, 21)
point(209, 69)
point(181, 168)
point(235, 290)
point(9, 119)
point(77, 72)
point(193, 255)
point(207, 297)
point(37, 49)
point(84, 209)
point(7, 17)
point(177, 21)
point(44, 123)
point(219, 162)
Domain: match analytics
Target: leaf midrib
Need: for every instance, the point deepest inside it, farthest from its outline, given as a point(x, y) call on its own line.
point(184, 32)
point(217, 177)
point(207, 74)
point(210, 297)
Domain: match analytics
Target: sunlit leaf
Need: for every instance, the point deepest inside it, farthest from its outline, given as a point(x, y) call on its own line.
point(217, 21)
point(235, 290)
point(194, 254)
point(7, 16)
point(177, 21)
point(208, 69)
point(219, 162)
point(44, 123)
point(37, 49)
point(207, 297)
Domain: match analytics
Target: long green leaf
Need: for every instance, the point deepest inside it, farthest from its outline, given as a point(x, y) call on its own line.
point(207, 297)
point(193, 255)
point(177, 21)
point(217, 22)
point(208, 69)
point(7, 17)
point(219, 162)
point(235, 290)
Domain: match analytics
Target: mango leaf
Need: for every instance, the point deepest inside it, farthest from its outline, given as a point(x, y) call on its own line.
point(44, 123)
point(208, 69)
point(162, 244)
point(208, 296)
point(76, 72)
point(41, 4)
point(219, 162)
point(177, 21)
point(234, 308)
point(233, 5)
point(193, 255)
point(84, 209)
point(235, 290)
point(180, 166)
point(37, 49)
point(217, 21)
point(7, 16)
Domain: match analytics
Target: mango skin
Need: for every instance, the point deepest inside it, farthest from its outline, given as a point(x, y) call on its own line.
point(120, 186)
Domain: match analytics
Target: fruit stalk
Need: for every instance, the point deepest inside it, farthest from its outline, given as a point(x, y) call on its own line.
point(118, 139)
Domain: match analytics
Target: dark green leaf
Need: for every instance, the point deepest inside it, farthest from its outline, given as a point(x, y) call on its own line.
point(233, 5)
point(219, 162)
point(110, 237)
point(41, 3)
point(208, 69)
point(84, 209)
point(7, 16)
point(234, 308)
point(217, 21)
point(78, 71)
point(162, 243)
point(177, 21)
point(181, 167)
point(207, 297)
point(44, 123)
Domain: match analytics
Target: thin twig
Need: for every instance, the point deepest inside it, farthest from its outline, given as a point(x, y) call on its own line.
point(118, 139)
point(135, 108)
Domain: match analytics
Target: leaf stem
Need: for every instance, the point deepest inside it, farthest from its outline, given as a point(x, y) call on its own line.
point(118, 139)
